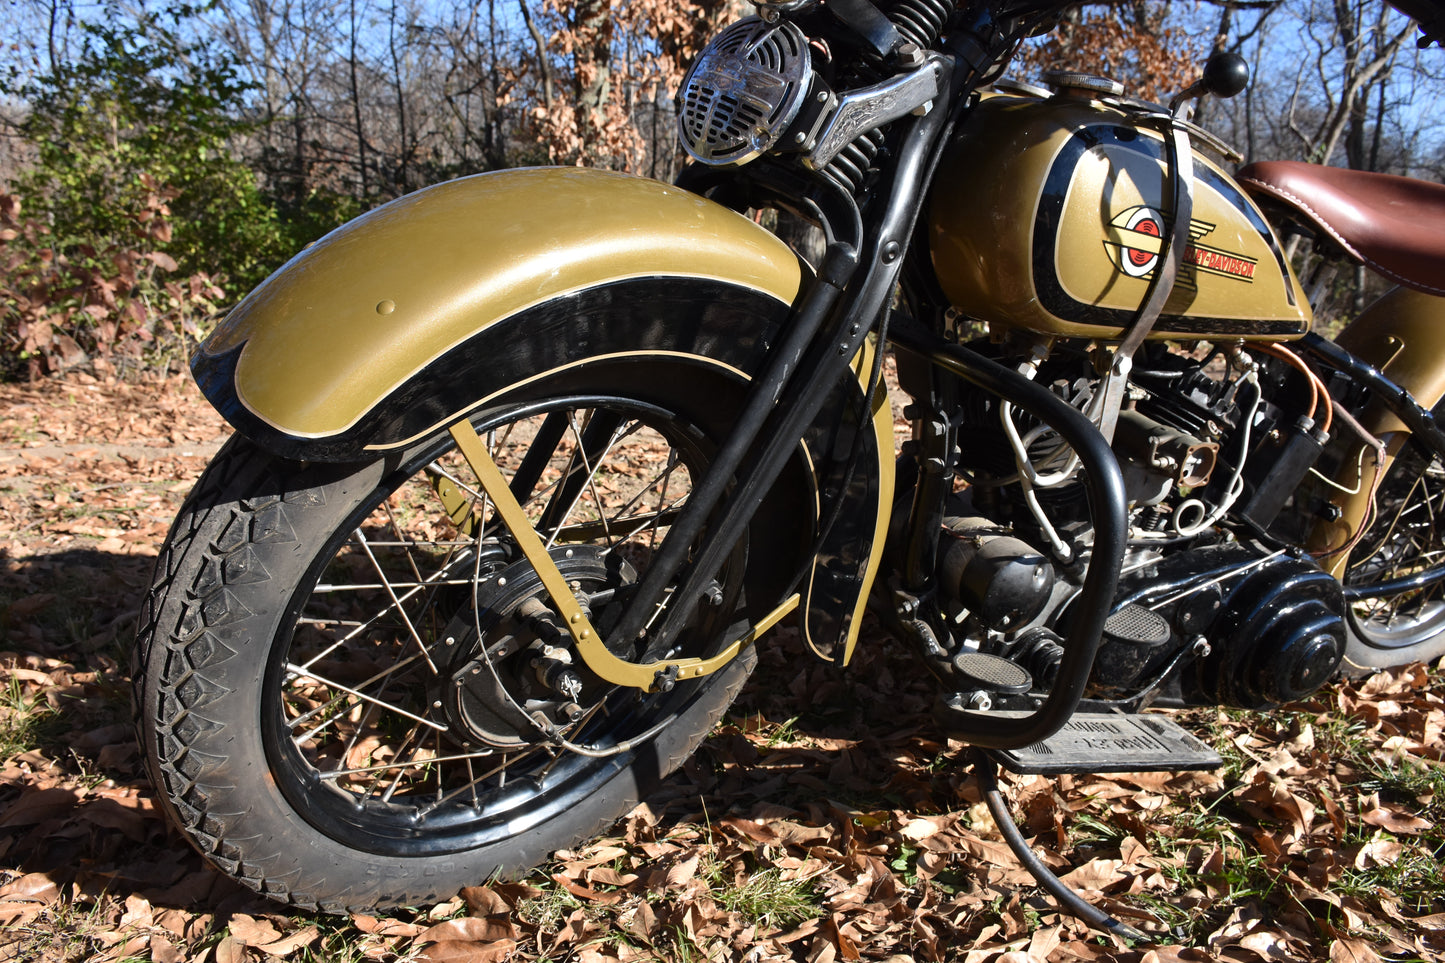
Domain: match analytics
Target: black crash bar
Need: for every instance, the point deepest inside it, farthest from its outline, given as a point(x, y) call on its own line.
point(1104, 487)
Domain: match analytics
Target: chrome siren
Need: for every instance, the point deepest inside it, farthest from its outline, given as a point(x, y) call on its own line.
point(744, 91)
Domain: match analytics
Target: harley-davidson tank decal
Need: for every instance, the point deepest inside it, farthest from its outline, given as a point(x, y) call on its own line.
point(1051, 219)
point(1133, 244)
point(1108, 181)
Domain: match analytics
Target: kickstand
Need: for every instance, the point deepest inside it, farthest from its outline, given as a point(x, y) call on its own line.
point(1068, 900)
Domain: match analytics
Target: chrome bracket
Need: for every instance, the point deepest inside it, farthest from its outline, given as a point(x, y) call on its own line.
point(863, 109)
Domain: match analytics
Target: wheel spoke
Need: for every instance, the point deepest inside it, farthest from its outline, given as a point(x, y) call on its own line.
point(400, 773)
point(471, 785)
point(405, 544)
point(382, 586)
point(389, 717)
point(396, 602)
point(362, 726)
point(1405, 540)
point(589, 479)
point(539, 455)
point(666, 479)
point(321, 680)
point(651, 523)
point(381, 676)
point(622, 517)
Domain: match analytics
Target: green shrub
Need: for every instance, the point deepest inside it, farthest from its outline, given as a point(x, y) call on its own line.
point(133, 182)
point(112, 307)
point(137, 105)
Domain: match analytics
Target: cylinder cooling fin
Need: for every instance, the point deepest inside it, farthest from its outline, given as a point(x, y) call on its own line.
point(745, 90)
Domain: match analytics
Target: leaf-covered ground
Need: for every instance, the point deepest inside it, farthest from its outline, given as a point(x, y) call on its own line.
point(825, 820)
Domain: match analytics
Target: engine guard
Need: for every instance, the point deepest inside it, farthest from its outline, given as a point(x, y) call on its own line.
point(395, 326)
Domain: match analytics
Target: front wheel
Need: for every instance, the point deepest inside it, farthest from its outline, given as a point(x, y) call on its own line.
point(353, 690)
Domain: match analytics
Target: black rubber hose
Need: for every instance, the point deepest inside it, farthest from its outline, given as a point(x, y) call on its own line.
point(1069, 901)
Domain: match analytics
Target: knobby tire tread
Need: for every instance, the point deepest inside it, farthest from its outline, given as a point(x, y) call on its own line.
point(169, 760)
point(208, 551)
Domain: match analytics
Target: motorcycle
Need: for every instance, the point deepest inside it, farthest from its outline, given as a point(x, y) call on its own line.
point(528, 463)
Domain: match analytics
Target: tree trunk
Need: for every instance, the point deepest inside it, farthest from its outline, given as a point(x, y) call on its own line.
point(352, 72)
point(592, 70)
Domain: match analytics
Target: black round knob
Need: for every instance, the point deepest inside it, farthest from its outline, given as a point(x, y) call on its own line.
point(1226, 74)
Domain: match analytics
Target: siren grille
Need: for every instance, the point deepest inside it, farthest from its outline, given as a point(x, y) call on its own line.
point(738, 99)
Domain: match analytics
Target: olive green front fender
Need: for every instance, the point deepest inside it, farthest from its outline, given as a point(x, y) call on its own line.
point(392, 328)
point(346, 327)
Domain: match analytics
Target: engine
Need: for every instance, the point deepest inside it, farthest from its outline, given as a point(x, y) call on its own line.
point(1205, 614)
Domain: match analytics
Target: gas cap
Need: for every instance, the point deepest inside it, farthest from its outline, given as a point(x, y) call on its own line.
point(1068, 83)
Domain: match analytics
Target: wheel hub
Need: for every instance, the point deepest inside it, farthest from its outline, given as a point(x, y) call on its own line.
point(513, 680)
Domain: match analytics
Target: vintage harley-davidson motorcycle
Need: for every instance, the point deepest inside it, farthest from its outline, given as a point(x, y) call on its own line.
point(529, 463)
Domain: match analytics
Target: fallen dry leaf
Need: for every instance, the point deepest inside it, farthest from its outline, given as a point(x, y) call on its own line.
point(834, 780)
point(26, 896)
point(1352, 951)
point(386, 927)
point(464, 952)
point(231, 951)
point(249, 931)
point(40, 805)
point(471, 929)
point(1395, 820)
point(291, 942)
point(162, 950)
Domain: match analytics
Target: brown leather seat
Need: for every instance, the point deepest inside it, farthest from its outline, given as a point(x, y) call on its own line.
point(1394, 225)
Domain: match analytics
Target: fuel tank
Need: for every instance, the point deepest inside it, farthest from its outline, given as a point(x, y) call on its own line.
point(1047, 215)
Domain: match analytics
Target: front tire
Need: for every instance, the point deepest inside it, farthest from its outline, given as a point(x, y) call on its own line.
point(351, 689)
